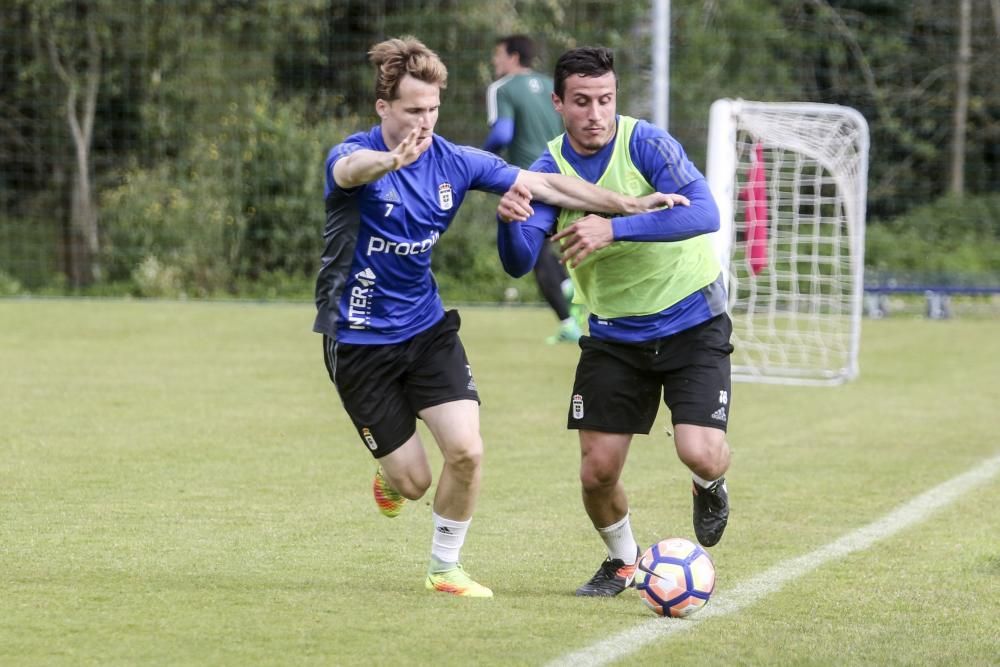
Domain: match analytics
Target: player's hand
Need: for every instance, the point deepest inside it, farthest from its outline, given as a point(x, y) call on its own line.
point(515, 204)
point(410, 148)
point(585, 236)
point(658, 200)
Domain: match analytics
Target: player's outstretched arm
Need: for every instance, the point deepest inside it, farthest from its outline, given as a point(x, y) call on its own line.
point(694, 214)
point(577, 194)
point(365, 166)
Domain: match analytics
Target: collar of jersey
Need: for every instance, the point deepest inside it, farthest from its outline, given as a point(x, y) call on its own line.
point(591, 167)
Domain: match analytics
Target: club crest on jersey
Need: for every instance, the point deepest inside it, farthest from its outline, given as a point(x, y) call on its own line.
point(445, 200)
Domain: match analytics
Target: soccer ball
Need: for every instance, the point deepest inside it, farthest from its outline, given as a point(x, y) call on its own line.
point(675, 577)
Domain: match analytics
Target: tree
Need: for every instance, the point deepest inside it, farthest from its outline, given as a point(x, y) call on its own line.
point(961, 113)
point(74, 46)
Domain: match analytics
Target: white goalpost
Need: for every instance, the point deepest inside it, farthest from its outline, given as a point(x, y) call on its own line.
point(790, 180)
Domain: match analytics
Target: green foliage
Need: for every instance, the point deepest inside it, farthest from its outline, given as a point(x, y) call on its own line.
point(169, 230)
point(275, 285)
point(281, 197)
point(749, 49)
point(953, 239)
point(189, 68)
point(238, 203)
point(189, 89)
point(29, 245)
point(8, 285)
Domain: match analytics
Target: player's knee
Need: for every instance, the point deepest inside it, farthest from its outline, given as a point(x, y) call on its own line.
point(412, 485)
point(467, 457)
point(705, 452)
point(714, 463)
point(708, 464)
point(597, 474)
point(414, 490)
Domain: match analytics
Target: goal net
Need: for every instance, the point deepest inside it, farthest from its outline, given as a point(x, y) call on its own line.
point(791, 180)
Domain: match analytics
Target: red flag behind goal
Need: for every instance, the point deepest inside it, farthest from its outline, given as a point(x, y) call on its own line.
point(755, 211)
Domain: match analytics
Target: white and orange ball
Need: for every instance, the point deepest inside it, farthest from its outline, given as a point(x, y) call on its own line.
point(675, 577)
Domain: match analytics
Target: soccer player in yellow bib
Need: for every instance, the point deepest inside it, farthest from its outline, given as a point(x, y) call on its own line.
point(653, 285)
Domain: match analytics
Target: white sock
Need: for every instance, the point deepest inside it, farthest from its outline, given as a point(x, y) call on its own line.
point(568, 321)
point(620, 541)
point(702, 482)
point(449, 536)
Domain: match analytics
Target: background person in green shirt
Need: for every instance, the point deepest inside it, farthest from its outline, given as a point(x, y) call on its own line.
point(522, 121)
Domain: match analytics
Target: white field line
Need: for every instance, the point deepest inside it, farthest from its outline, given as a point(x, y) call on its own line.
point(751, 591)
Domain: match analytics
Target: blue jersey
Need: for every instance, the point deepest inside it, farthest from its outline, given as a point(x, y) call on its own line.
point(375, 285)
point(666, 167)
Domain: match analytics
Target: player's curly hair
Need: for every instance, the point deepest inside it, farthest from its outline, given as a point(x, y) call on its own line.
point(397, 57)
point(585, 61)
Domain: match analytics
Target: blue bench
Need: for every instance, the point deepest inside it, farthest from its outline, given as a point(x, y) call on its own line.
point(938, 297)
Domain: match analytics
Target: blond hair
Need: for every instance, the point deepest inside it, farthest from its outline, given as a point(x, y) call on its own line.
point(395, 58)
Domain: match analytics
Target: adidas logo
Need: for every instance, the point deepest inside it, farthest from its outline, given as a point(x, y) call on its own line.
point(445, 529)
point(393, 197)
point(366, 277)
point(719, 415)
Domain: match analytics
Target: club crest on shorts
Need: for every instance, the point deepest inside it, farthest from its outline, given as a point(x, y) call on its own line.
point(369, 439)
point(577, 406)
point(445, 200)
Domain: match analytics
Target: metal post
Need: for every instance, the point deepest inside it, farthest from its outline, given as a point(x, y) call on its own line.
point(661, 63)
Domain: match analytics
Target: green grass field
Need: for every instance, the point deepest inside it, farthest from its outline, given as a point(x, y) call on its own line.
point(179, 485)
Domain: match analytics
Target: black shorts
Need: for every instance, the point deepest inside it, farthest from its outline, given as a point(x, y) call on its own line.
point(617, 387)
point(383, 387)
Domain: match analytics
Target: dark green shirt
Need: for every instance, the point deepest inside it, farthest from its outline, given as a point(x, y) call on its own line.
point(527, 100)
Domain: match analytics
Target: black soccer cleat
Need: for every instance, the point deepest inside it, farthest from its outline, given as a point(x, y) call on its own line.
point(611, 578)
point(711, 512)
